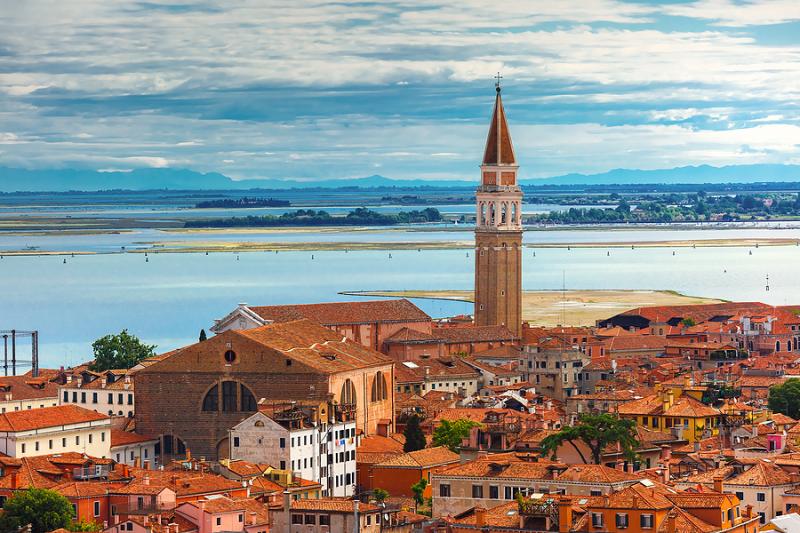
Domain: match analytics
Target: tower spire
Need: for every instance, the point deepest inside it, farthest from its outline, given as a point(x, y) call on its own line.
point(499, 149)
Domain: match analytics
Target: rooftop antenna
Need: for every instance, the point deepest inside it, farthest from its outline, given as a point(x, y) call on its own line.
point(767, 282)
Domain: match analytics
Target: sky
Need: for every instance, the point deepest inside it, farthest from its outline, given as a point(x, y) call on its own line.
point(334, 90)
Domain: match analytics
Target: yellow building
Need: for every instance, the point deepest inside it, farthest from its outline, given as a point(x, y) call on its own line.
point(673, 410)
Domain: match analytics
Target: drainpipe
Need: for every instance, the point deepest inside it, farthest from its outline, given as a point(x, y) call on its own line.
point(356, 524)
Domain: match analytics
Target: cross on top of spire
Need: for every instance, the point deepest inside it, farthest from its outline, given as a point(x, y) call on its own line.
point(497, 77)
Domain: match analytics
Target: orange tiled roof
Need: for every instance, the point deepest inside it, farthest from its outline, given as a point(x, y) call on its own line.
point(121, 438)
point(358, 312)
point(424, 458)
point(46, 417)
point(333, 505)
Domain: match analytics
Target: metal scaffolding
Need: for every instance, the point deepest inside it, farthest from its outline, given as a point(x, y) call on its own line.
point(10, 337)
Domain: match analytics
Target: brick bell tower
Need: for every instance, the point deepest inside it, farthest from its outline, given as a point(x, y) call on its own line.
point(498, 230)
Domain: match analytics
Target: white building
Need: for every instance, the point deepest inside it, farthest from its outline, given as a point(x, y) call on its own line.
point(110, 392)
point(57, 429)
point(133, 450)
point(304, 440)
point(20, 393)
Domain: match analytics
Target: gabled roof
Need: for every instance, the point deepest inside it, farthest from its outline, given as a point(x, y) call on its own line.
point(359, 312)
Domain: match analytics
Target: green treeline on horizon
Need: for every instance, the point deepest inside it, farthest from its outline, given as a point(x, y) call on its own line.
point(309, 217)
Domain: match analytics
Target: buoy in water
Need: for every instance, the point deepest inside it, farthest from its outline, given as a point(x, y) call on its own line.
point(390, 256)
point(608, 254)
point(65, 261)
point(750, 252)
point(146, 259)
point(312, 257)
point(673, 252)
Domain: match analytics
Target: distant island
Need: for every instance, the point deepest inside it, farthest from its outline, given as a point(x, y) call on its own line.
point(698, 207)
point(239, 203)
point(310, 217)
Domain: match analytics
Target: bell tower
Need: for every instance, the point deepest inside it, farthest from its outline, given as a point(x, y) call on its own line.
point(498, 230)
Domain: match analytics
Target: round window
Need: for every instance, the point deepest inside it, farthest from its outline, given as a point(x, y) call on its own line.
point(230, 356)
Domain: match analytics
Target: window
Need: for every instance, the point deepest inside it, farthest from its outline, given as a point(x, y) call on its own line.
point(444, 490)
point(64, 442)
point(646, 521)
point(23, 447)
point(241, 518)
point(760, 496)
point(77, 439)
point(50, 444)
point(324, 520)
point(762, 518)
point(66, 396)
point(83, 397)
point(110, 398)
point(36, 445)
point(229, 396)
point(740, 495)
point(94, 397)
point(597, 519)
point(235, 442)
point(282, 442)
point(348, 394)
point(494, 492)
point(248, 402)
point(379, 388)
point(102, 436)
point(311, 520)
point(230, 356)
point(90, 438)
point(130, 399)
point(507, 493)
point(477, 491)
point(595, 493)
point(211, 401)
point(75, 510)
point(219, 520)
point(622, 520)
point(97, 508)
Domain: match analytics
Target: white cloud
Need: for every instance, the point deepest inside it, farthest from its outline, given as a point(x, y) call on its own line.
point(746, 13)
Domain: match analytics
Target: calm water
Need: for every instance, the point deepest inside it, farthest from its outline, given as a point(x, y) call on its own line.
point(168, 299)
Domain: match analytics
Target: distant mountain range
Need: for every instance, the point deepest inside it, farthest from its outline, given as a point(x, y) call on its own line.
point(59, 180)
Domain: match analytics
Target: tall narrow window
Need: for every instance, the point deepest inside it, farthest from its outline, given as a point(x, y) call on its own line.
point(348, 395)
point(229, 396)
point(211, 401)
point(379, 388)
point(248, 400)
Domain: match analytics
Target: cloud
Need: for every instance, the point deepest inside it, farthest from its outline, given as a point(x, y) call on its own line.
point(334, 89)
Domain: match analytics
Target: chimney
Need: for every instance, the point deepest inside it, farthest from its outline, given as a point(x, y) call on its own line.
point(718, 484)
point(564, 515)
point(103, 382)
point(671, 521)
point(14, 480)
point(136, 462)
point(126, 471)
point(748, 511)
point(146, 479)
point(146, 465)
point(480, 516)
point(666, 453)
point(202, 504)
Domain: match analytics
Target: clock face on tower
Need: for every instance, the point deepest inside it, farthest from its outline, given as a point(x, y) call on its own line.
point(498, 231)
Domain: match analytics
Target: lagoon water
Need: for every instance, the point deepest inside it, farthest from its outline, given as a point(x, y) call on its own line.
point(167, 299)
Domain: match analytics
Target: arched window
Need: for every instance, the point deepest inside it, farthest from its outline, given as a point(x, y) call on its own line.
point(235, 397)
point(348, 395)
point(777, 346)
point(503, 214)
point(491, 214)
point(514, 213)
point(482, 221)
point(211, 401)
point(379, 388)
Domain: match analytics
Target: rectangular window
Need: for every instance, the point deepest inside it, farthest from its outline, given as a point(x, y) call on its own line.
point(64, 442)
point(507, 493)
point(311, 520)
point(595, 493)
point(77, 439)
point(646, 521)
point(97, 508)
point(235, 442)
point(324, 520)
point(111, 398)
point(760, 496)
point(282, 442)
point(36, 445)
point(23, 447)
point(50, 444)
point(622, 520)
point(444, 490)
point(83, 397)
point(102, 436)
point(597, 519)
point(94, 397)
point(66, 396)
point(219, 520)
point(494, 492)
point(130, 399)
point(740, 495)
point(228, 396)
point(90, 438)
point(477, 491)
point(74, 396)
point(762, 518)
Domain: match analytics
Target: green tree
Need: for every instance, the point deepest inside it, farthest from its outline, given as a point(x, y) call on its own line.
point(203, 335)
point(785, 398)
point(82, 526)
point(44, 509)
point(688, 322)
point(380, 495)
point(418, 489)
point(596, 432)
point(450, 433)
point(119, 351)
point(415, 438)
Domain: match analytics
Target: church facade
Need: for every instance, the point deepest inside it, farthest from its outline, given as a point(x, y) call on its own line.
point(498, 230)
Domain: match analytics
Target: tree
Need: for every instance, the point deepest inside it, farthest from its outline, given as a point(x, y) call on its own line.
point(203, 335)
point(83, 526)
point(418, 489)
point(785, 398)
point(597, 432)
point(415, 438)
point(44, 509)
point(119, 351)
point(450, 433)
point(688, 322)
point(380, 495)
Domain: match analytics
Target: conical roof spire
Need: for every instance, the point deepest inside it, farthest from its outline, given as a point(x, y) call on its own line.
point(499, 149)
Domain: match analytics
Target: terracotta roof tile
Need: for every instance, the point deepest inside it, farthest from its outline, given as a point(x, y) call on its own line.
point(424, 458)
point(334, 505)
point(358, 312)
point(46, 417)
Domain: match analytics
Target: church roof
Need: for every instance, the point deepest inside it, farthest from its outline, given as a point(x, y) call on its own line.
point(499, 150)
